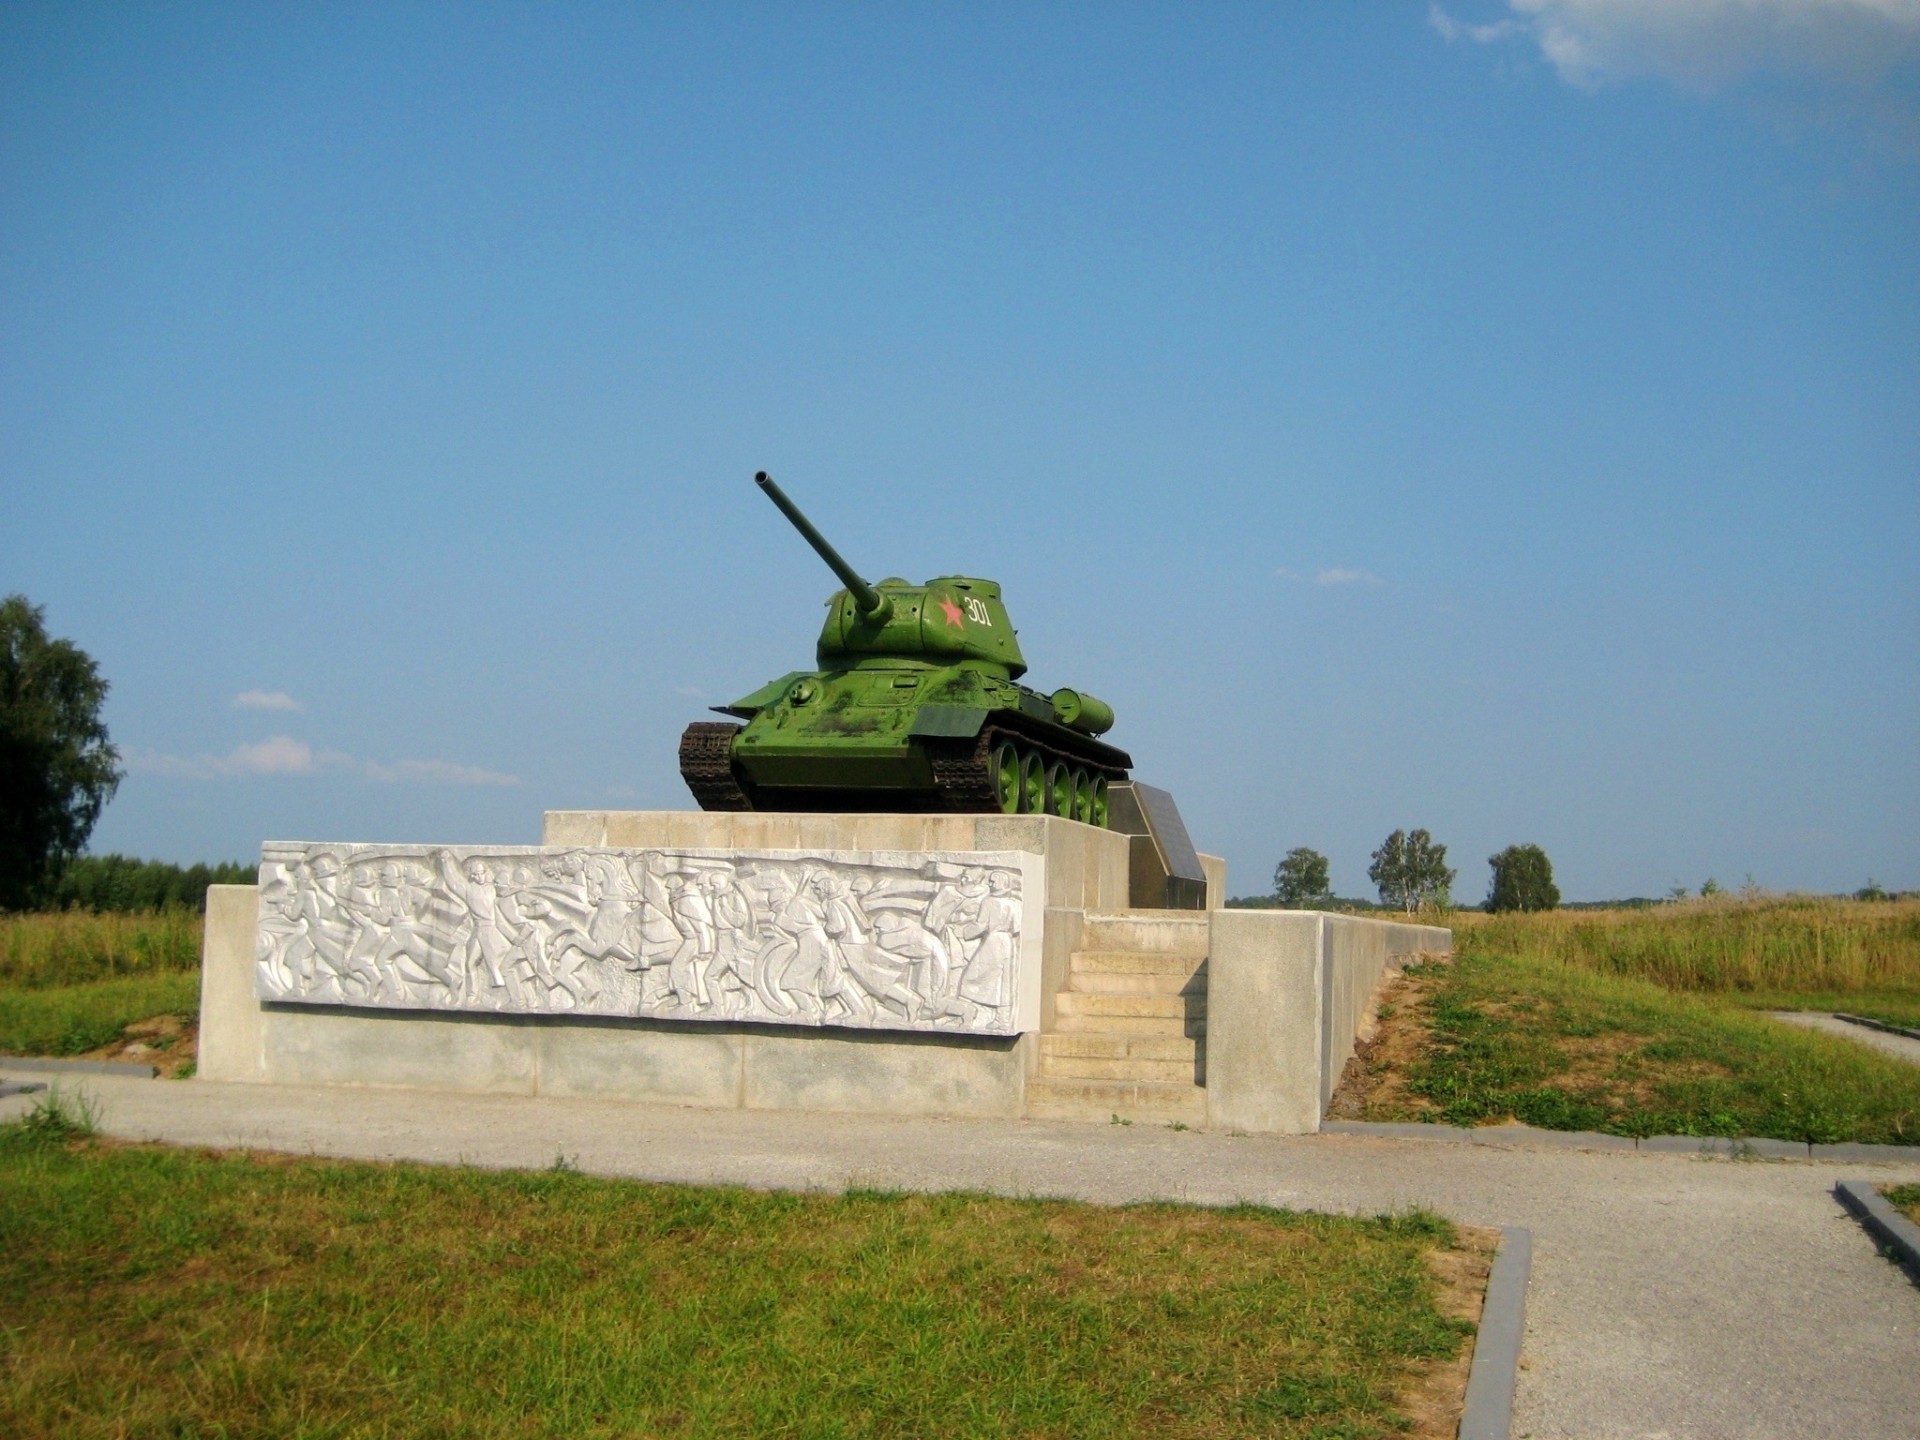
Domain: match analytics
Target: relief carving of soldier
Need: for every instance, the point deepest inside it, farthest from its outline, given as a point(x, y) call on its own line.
point(764, 938)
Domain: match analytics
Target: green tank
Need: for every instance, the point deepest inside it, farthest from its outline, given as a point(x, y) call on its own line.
point(913, 705)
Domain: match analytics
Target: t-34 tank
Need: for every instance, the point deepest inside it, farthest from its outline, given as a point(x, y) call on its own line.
point(913, 707)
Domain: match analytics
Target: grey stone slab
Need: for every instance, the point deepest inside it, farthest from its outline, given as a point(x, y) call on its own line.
point(133, 1069)
point(1773, 1149)
point(640, 1060)
point(231, 1024)
point(1495, 1372)
point(1889, 1153)
point(1398, 1130)
point(21, 1087)
point(1886, 1224)
point(1690, 1145)
point(885, 1073)
point(311, 1045)
point(1907, 1030)
point(1265, 1009)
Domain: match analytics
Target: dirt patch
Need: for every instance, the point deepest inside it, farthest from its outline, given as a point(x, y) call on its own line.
point(1438, 1392)
point(1375, 1079)
point(169, 1043)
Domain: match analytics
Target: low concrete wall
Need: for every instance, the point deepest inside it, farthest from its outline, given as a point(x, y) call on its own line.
point(1287, 994)
point(752, 1066)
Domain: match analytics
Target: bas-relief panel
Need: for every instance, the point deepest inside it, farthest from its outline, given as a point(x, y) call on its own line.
point(892, 941)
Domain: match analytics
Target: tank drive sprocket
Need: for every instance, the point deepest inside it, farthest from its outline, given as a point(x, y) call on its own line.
point(706, 764)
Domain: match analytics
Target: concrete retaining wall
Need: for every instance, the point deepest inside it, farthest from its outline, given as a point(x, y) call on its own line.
point(1288, 992)
point(752, 1066)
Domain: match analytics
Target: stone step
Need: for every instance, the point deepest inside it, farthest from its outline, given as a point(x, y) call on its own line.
point(1136, 962)
point(1140, 1101)
point(1153, 1015)
point(1176, 1007)
point(1136, 982)
point(1108, 1046)
point(1094, 1067)
point(1156, 932)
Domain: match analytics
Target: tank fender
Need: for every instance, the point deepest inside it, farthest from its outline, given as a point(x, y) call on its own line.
point(957, 722)
point(751, 705)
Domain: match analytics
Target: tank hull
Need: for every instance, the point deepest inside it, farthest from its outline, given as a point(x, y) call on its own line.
point(907, 739)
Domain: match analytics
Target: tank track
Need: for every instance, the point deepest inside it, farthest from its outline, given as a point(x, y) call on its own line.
point(706, 764)
point(961, 773)
point(963, 770)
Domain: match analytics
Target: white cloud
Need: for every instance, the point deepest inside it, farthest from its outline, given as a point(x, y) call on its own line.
point(1337, 575)
point(265, 700)
point(284, 755)
point(1706, 44)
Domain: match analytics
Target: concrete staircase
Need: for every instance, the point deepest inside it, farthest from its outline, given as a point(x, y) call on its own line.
point(1130, 1028)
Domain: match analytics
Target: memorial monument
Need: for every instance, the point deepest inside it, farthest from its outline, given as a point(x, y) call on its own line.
point(915, 886)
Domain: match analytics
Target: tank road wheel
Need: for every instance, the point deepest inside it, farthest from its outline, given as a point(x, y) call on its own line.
point(1100, 810)
point(1060, 790)
point(1006, 772)
point(1082, 796)
point(1033, 784)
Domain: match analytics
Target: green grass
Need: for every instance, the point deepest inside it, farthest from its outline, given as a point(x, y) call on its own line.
point(154, 1292)
point(1565, 1047)
point(73, 1019)
point(1906, 1199)
point(39, 951)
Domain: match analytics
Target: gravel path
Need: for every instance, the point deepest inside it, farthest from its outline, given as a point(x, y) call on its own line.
point(1673, 1296)
point(1898, 1046)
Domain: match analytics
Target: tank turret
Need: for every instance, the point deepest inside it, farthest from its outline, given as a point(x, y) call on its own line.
point(913, 705)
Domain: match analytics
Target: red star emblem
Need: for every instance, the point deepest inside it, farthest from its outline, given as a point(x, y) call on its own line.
point(956, 617)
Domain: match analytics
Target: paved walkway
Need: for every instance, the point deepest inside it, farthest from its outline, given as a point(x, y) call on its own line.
point(1901, 1047)
point(1672, 1296)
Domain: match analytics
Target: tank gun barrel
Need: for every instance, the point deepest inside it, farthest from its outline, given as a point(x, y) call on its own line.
point(864, 595)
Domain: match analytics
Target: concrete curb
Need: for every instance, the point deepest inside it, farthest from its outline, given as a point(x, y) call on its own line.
point(1517, 1135)
point(1911, 1034)
point(132, 1069)
point(1496, 1349)
point(20, 1087)
point(1887, 1225)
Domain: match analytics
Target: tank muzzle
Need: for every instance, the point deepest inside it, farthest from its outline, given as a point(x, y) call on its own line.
point(1079, 711)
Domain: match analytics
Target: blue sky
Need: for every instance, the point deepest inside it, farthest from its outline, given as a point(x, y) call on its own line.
point(1498, 418)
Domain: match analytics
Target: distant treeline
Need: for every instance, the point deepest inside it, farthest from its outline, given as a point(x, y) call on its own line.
point(1636, 902)
point(122, 883)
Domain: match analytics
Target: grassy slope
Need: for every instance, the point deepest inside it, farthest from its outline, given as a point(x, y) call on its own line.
point(236, 1296)
point(1906, 1198)
point(1563, 1047)
point(71, 982)
point(73, 1019)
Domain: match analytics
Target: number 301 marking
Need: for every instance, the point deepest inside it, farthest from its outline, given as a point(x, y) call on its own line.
point(977, 610)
